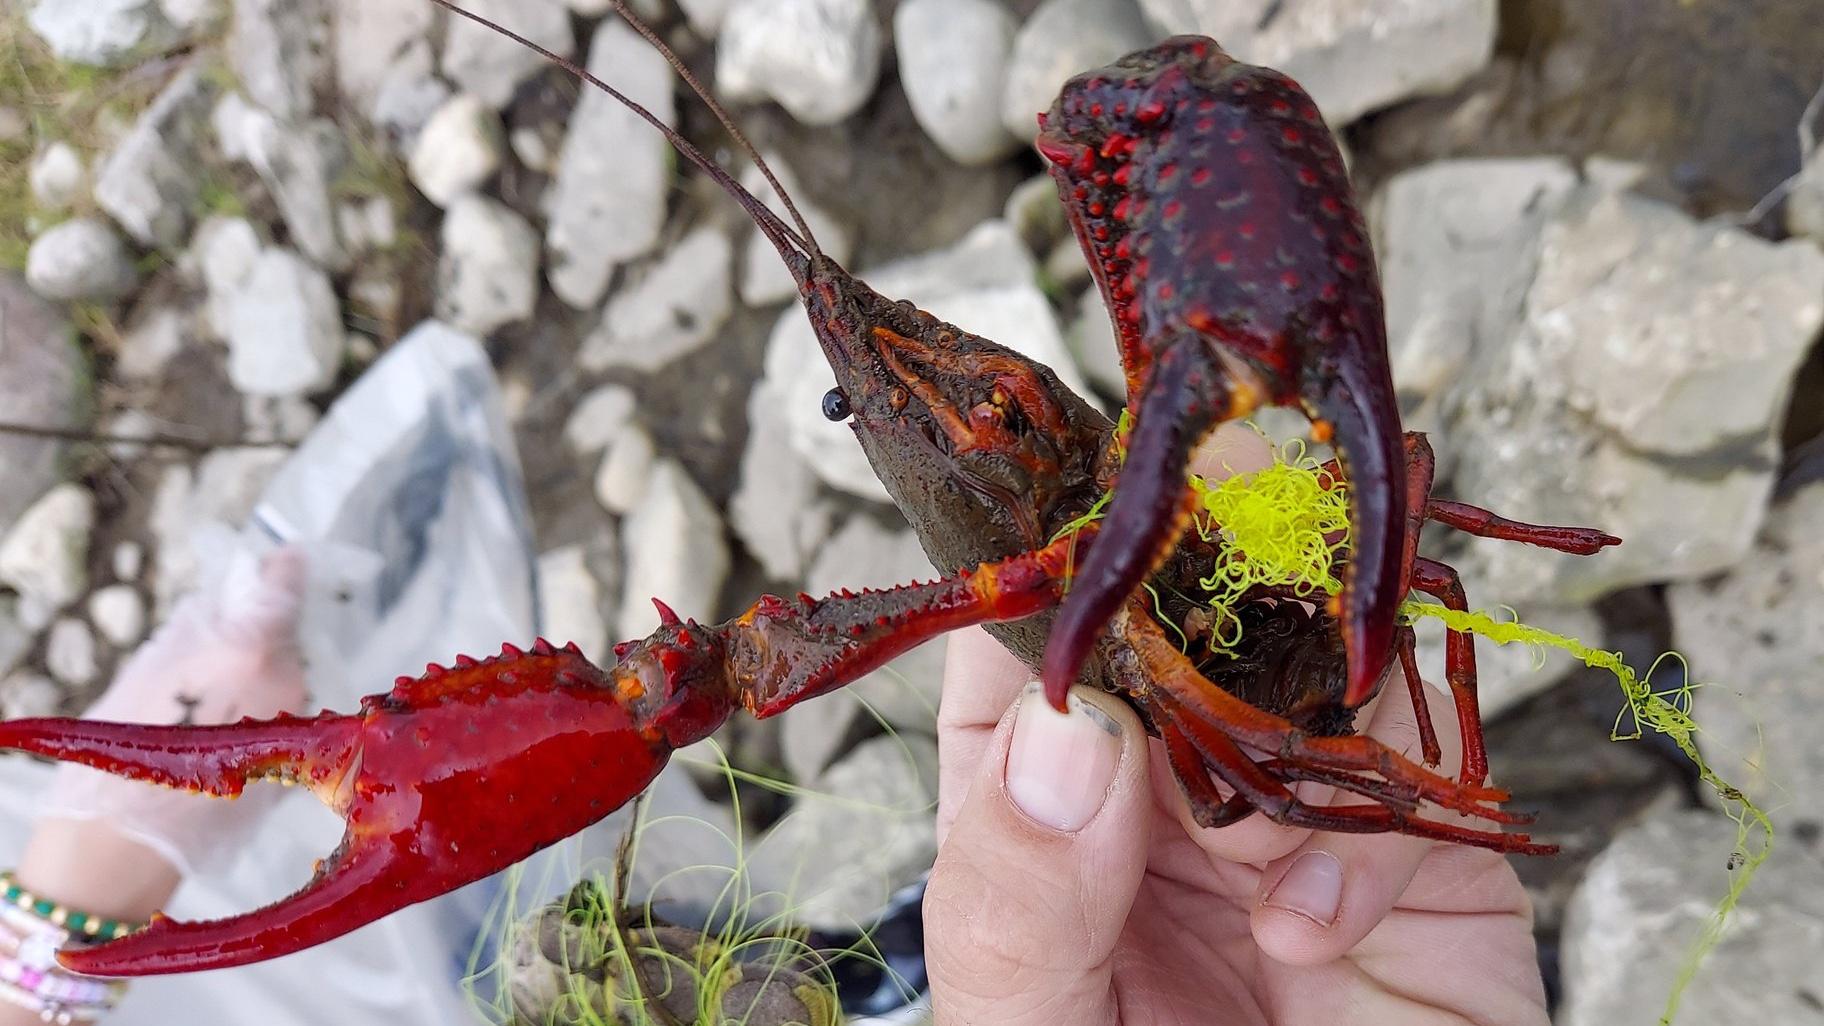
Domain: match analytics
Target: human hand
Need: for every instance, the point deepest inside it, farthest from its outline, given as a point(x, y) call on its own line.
point(1073, 887)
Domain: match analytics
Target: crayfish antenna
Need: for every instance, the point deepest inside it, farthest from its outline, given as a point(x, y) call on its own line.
point(797, 252)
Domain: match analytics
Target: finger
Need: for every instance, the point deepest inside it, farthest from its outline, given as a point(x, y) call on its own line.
point(981, 680)
point(1320, 900)
point(1033, 886)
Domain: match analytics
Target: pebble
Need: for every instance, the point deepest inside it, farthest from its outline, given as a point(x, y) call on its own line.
point(671, 310)
point(280, 53)
point(300, 165)
point(1805, 201)
point(151, 341)
point(598, 418)
point(606, 204)
point(150, 183)
point(626, 470)
point(764, 278)
point(491, 66)
point(57, 176)
point(458, 149)
point(222, 256)
point(570, 602)
point(487, 275)
point(45, 556)
point(128, 560)
point(675, 552)
point(284, 329)
point(25, 695)
point(1063, 38)
point(101, 32)
point(15, 640)
point(779, 509)
point(376, 42)
point(953, 63)
point(818, 58)
point(69, 652)
point(44, 379)
point(80, 259)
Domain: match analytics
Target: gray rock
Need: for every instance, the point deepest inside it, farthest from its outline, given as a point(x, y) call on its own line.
point(1061, 39)
point(285, 332)
point(29, 694)
point(778, 510)
point(375, 42)
point(44, 557)
point(457, 150)
point(1091, 338)
point(669, 311)
point(409, 93)
point(280, 53)
point(151, 341)
point(570, 602)
point(299, 164)
point(984, 282)
point(675, 552)
point(69, 652)
point(193, 507)
point(626, 470)
point(812, 733)
point(151, 182)
point(1805, 203)
point(102, 31)
point(953, 62)
point(1036, 214)
point(764, 279)
point(487, 275)
point(1507, 675)
point(119, 614)
point(80, 259)
point(862, 554)
point(481, 61)
point(1641, 394)
point(864, 830)
point(598, 419)
point(43, 380)
point(1458, 243)
point(1632, 922)
point(818, 58)
point(57, 176)
point(222, 256)
point(1756, 634)
point(606, 204)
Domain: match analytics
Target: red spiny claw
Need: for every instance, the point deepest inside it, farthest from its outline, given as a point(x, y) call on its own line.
point(444, 780)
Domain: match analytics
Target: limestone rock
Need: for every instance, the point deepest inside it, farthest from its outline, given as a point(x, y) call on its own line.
point(818, 58)
point(953, 61)
point(119, 614)
point(69, 652)
point(457, 150)
point(487, 276)
point(280, 53)
point(56, 176)
point(284, 328)
point(45, 556)
point(764, 279)
point(1061, 39)
point(626, 470)
point(570, 602)
point(43, 380)
point(101, 31)
point(779, 510)
point(80, 259)
point(671, 310)
point(151, 182)
point(598, 418)
point(481, 61)
point(675, 552)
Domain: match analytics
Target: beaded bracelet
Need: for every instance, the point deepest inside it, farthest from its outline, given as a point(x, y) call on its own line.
point(31, 978)
point(81, 925)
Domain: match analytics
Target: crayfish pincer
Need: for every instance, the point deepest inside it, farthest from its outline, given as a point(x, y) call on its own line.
point(1220, 224)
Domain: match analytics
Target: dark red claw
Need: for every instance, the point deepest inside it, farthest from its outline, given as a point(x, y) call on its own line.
point(1186, 394)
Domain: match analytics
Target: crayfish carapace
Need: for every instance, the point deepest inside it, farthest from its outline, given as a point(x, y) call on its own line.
point(1226, 239)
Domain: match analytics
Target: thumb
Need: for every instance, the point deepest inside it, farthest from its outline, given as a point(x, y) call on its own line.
point(1033, 885)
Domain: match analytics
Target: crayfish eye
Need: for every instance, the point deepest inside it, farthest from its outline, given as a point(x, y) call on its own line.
point(836, 405)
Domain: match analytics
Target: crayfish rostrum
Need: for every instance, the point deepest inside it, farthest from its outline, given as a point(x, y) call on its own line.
point(1225, 237)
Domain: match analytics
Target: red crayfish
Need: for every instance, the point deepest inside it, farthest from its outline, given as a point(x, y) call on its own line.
point(1226, 240)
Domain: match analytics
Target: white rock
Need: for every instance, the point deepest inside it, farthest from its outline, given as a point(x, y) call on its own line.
point(29, 694)
point(818, 58)
point(1507, 675)
point(669, 311)
point(194, 18)
point(626, 471)
point(191, 507)
point(374, 41)
point(675, 552)
point(985, 282)
point(1458, 244)
point(862, 554)
point(1091, 338)
point(598, 419)
point(15, 640)
point(457, 150)
point(45, 556)
point(811, 733)
point(779, 510)
point(150, 342)
point(56, 176)
point(101, 31)
point(129, 559)
point(864, 830)
point(409, 93)
point(764, 278)
point(1644, 901)
point(300, 164)
point(1642, 395)
point(222, 256)
point(119, 614)
point(953, 62)
point(705, 15)
point(488, 274)
point(150, 183)
point(1061, 39)
point(80, 259)
point(1755, 635)
point(44, 379)
point(285, 332)
point(481, 61)
point(570, 602)
point(1805, 203)
point(606, 204)
point(69, 652)
point(280, 53)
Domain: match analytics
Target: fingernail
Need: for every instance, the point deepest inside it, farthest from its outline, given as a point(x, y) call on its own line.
point(1060, 765)
point(1312, 888)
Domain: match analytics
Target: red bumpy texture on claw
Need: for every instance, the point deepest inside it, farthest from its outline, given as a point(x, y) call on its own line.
point(1223, 231)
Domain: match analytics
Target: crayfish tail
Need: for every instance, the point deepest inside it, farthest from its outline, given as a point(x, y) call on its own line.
point(218, 760)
